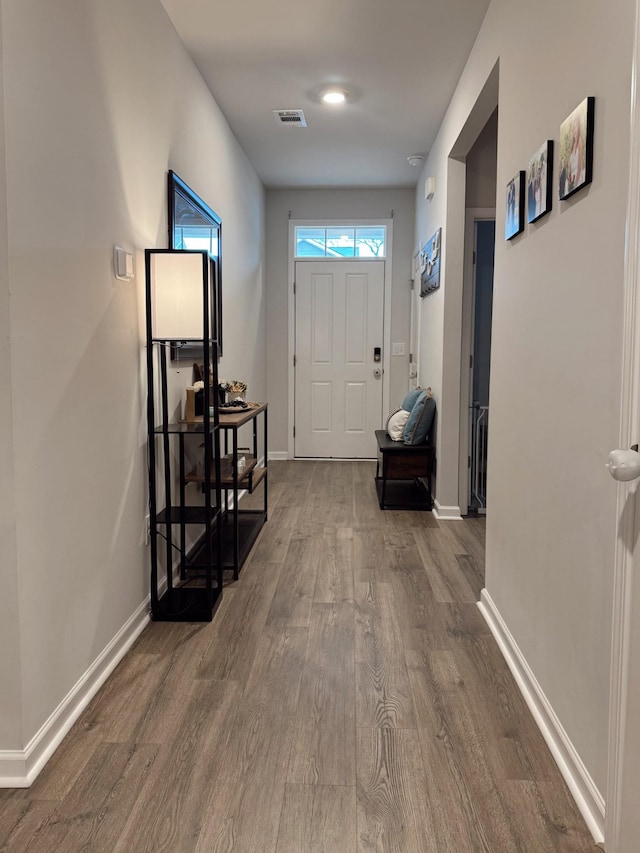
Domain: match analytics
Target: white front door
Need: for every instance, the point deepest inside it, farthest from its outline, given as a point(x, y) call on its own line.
point(338, 382)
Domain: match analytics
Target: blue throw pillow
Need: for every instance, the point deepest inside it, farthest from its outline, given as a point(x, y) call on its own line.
point(411, 399)
point(420, 420)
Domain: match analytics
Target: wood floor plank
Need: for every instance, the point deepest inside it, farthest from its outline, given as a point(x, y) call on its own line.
point(457, 826)
point(323, 744)
point(249, 765)
point(333, 824)
point(293, 599)
point(404, 521)
point(371, 558)
point(502, 711)
point(473, 574)
point(331, 494)
point(238, 628)
point(273, 542)
point(136, 681)
point(559, 812)
point(467, 537)
point(318, 819)
point(367, 515)
point(36, 820)
point(68, 761)
point(441, 566)
point(469, 747)
point(335, 566)
point(421, 620)
point(392, 797)
point(294, 831)
point(99, 804)
point(165, 710)
point(383, 691)
point(167, 813)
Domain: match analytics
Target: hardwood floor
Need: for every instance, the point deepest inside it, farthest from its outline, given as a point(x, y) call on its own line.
point(347, 698)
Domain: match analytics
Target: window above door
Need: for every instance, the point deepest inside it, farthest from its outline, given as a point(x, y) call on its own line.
point(342, 242)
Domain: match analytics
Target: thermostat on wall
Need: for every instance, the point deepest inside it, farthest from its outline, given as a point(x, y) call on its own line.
point(123, 265)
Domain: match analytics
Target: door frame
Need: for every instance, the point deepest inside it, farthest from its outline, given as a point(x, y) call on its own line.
point(622, 821)
point(472, 215)
point(386, 320)
point(415, 317)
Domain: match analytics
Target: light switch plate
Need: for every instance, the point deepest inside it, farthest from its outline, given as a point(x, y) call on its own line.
point(397, 349)
point(123, 265)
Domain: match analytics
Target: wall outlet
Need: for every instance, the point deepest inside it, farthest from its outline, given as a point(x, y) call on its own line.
point(397, 349)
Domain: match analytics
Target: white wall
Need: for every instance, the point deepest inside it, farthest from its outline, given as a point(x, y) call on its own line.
point(556, 347)
point(10, 699)
point(101, 100)
point(481, 167)
point(331, 204)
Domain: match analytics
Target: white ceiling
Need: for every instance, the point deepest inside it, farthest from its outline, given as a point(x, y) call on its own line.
point(399, 61)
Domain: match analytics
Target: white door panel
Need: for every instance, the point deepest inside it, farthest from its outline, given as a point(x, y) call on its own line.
point(339, 322)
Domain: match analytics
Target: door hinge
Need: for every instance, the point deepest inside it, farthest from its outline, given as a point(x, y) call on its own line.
point(294, 360)
point(294, 431)
point(474, 256)
point(294, 287)
point(412, 283)
point(410, 358)
point(470, 362)
point(468, 462)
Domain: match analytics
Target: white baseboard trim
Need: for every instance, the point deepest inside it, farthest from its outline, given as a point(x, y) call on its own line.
point(19, 768)
point(277, 455)
point(583, 789)
point(446, 513)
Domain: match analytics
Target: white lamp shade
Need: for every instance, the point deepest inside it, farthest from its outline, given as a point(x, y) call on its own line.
point(177, 295)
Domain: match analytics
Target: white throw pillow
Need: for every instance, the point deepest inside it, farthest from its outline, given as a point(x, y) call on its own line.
point(396, 425)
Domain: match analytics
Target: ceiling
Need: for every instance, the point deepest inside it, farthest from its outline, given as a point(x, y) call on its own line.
point(398, 61)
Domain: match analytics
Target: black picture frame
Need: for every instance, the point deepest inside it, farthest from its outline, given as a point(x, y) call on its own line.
point(575, 149)
point(514, 207)
point(194, 225)
point(540, 182)
point(430, 264)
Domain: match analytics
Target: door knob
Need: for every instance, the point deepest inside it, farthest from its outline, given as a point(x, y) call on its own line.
point(624, 465)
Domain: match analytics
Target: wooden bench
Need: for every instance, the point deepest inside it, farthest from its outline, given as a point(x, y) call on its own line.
point(403, 473)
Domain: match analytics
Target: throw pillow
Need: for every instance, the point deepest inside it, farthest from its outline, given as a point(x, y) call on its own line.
point(396, 425)
point(390, 415)
point(420, 420)
point(411, 399)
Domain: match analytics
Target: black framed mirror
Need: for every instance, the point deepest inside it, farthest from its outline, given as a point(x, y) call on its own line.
point(194, 225)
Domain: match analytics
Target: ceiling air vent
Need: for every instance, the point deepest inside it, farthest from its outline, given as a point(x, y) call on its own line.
point(290, 118)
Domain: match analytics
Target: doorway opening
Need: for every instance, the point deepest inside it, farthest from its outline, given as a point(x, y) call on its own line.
point(477, 315)
point(480, 362)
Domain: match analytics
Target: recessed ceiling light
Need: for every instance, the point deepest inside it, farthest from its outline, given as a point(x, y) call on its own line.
point(334, 96)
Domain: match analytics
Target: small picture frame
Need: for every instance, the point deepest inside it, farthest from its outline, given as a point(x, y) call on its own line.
point(575, 149)
point(540, 182)
point(514, 207)
point(430, 263)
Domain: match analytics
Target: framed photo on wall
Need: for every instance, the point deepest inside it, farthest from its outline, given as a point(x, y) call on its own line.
point(539, 182)
point(514, 209)
point(575, 154)
point(430, 275)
